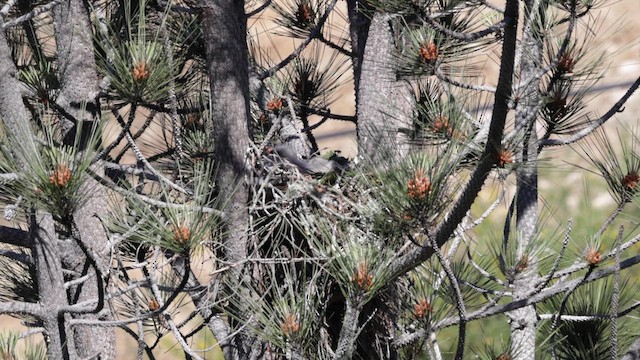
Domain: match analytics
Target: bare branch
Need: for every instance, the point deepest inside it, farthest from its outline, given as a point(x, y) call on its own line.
point(33, 13)
point(17, 256)
point(545, 281)
point(21, 308)
point(8, 177)
point(161, 204)
point(466, 37)
point(543, 295)
point(259, 9)
point(348, 332)
point(7, 7)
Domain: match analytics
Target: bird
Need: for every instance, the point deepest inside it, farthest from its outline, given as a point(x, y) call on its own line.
point(315, 165)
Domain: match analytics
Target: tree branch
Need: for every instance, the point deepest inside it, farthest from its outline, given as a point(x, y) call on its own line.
point(21, 308)
point(13, 236)
point(312, 35)
point(543, 295)
point(33, 13)
point(488, 157)
point(616, 108)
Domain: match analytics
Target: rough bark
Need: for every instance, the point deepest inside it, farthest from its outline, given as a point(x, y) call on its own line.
point(633, 353)
point(77, 68)
point(359, 23)
point(42, 235)
point(224, 26)
point(12, 110)
point(383, 102)
point(523, 321)
point(348, 332)
point(227, 65)
point(50, 286)
point(77, 97)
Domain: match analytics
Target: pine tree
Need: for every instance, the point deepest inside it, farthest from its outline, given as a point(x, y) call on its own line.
point(143, 139)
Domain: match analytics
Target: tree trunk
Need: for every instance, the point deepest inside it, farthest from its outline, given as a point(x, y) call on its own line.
point(12, 110)
point(50, 286)
point(384, 104)
point(523, 321)
point(358, 28)
point(633, 352)
point(78, 92)
point(42, 234)
point(227, 64)
point(77, 67)
point(224, 26)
